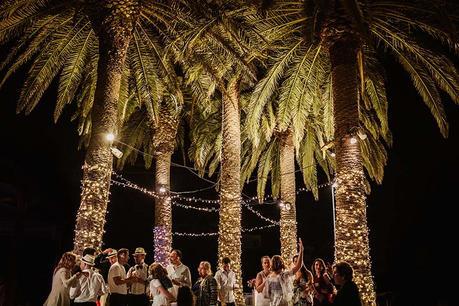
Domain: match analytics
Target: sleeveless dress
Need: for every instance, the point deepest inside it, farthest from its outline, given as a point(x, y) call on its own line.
point(260, 300)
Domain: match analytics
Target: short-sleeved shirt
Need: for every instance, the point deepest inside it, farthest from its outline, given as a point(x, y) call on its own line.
point(117, 270)
point(225, 283)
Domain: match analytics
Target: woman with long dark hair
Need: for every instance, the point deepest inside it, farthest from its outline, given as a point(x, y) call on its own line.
point(323, 286)
point(62, 281)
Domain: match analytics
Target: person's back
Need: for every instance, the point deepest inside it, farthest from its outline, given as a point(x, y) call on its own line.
point(348, 294)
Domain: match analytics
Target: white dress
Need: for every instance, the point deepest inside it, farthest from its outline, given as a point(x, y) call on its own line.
point(158, 298)
point(278, 289)
point(260, 299)
point(60, 295)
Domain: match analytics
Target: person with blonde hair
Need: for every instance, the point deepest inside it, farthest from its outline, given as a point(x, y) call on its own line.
point(205, 289)
point(62, 281)
point(260, 300)
point(278, 287)
point(160, 285)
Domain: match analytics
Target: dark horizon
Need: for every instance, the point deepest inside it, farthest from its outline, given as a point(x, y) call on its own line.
point(410, 215)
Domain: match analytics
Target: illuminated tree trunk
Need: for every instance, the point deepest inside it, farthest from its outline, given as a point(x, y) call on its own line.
point(229, 241)
point(164, 132)
point(351, 242)
point(288, 211)
point(163, 210)
point(113, 24)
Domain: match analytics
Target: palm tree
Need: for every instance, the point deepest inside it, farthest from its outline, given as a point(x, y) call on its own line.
point(87, 43)
point(345, 33)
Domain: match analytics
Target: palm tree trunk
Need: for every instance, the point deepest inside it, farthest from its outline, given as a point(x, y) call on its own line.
point(114, 29)
point(229, 241)
point(351, 243)
point(163, 209)
point(288, 195)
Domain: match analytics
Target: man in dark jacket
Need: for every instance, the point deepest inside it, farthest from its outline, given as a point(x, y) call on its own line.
point(348, 294)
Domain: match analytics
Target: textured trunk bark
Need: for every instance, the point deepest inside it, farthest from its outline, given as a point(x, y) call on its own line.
point(229, 241)
point(113, 26)
point(351, 243)
point(288, 195)
point(163, 210)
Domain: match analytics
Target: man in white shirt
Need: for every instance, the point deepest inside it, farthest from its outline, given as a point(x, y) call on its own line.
point(89, 286)
point(226, 283)
point(117, 280)
point(178, 272)
point(138, 288)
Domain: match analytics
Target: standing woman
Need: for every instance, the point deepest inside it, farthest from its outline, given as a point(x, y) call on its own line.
point(260, 282)
point(278, 286)
point(322, 284)
point(303, 288)
point(160, 285)
point(62, 281)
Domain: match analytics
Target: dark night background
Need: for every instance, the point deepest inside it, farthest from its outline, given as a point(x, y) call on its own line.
point(410, 215)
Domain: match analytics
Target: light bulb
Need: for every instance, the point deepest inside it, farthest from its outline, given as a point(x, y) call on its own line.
point(110, 137)
point(162, 189)
point(353, 140)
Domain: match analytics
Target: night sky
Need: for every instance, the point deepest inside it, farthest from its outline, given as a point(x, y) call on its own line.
point(410, 215)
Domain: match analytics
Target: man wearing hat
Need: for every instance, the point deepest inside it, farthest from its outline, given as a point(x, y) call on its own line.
point(89, 286)
point(139, 273)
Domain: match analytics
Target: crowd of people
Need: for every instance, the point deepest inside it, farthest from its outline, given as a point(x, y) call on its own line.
point(106, 279)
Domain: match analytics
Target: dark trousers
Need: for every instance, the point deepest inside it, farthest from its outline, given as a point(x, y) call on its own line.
point(116, 299)
point(138, 300)
point(227, 304)
point(85, 304)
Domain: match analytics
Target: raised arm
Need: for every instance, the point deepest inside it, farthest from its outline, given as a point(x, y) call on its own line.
point(299, 262)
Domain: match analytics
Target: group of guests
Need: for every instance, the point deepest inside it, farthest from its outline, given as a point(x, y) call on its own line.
point(278, 285)
point(107, 279)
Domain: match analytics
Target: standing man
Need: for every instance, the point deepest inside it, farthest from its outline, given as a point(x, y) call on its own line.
point(226, 282)
point(138, 288)
point(348, 294)
point(117, 280)
point(205, 289)
point(89, 286)
point(178, 272)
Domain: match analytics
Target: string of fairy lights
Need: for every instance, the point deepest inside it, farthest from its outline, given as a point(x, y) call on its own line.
point(175, 197)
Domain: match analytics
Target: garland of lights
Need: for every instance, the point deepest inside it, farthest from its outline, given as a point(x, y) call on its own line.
point(176, 195)
point(246, 230)
point(213, 209)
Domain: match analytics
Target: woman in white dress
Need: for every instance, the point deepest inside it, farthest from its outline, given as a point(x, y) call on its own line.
point(260, 281)
point(160, 286)
point(62, 281)
point(278, 287)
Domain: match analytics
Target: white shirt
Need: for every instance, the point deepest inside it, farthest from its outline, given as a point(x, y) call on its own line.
point(117, 270)
point(226, 282)
point(180, 273)
point(87, 288)
point(141, 272)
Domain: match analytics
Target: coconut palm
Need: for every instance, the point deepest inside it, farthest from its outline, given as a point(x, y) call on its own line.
point(86, 44)
point(347, 34)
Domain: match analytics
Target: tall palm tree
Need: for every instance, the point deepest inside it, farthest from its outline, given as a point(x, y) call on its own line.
point(86, 43)
point(158, 139)
point(347, 33)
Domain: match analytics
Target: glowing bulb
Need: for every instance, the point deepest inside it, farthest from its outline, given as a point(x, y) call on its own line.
point(162, 189)
point(110, 137)
point(288, 206)
point(335, 184)
point(353, 140)
point(332, 154)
